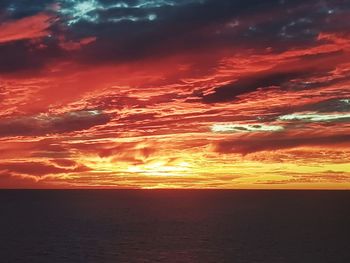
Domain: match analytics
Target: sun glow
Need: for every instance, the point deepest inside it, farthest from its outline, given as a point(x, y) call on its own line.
point(156, 167)
point(161, 168)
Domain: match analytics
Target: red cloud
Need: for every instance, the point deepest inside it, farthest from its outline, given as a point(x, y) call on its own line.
point(26, 28)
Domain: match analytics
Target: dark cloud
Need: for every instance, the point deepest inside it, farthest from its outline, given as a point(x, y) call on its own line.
point(251, 83)
point(46, 124)
point(17, 9)
point(184, 26)
point(330, 105)
point(190, 28)
point(271, 142)
point(202, 25)
point(21, 56)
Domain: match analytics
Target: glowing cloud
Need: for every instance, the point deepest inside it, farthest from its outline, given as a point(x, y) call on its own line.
point(26, 28)
point(315, 117)
point(231, 127)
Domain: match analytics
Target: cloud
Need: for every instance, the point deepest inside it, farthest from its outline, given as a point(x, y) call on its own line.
point(37, 168)
point(76, 45)
point(26, 28)
point(64, 162)
point(232, 127)
point(50, 124)
point(313, 70)
point(251, 83)
point(8, 181)
point(133, 90)
point(335, 105)
point(168, 28)
point(272, 142)
point(94, 11)
point(315, 117)
point(304, 178)
point(24, 43)
point(186, 26)
point(329, 110)
point(23, 57)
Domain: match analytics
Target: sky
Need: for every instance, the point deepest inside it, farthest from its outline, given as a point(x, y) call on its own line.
point(175, 94)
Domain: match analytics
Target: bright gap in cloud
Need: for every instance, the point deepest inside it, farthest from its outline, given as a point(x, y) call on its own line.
point(231, 127)
point(314, 116)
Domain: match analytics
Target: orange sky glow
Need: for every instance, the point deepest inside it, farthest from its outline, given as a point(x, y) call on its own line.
point(175, 96)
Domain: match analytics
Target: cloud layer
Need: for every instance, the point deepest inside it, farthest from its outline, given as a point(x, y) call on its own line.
point(190, 93)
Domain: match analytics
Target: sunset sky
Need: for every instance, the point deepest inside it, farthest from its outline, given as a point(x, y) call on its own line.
point(175, 94)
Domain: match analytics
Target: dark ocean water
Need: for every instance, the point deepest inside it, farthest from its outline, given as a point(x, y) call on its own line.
point(175, 226)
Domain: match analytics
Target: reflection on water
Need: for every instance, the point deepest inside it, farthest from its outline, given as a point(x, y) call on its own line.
point(174, 226)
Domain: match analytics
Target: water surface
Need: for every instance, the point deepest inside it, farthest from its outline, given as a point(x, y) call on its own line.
point(174, 226)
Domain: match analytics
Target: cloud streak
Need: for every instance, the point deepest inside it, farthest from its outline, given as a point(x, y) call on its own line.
point(26, 28)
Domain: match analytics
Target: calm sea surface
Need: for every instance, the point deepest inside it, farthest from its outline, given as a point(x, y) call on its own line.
point(174, 226)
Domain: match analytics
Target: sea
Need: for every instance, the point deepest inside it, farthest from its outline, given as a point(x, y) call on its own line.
point(233, 226)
